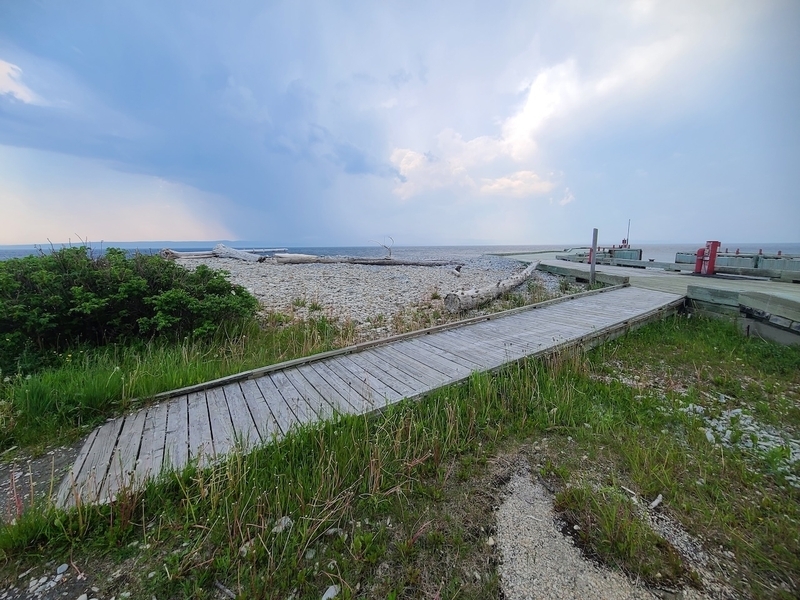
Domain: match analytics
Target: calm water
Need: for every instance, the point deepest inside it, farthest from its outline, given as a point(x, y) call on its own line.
point(658, 252)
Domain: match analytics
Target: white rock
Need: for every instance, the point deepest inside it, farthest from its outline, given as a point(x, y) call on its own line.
point(62, 568)
point(282, 524)
point(331, 592)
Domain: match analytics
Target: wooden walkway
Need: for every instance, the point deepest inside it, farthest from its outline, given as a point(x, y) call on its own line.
point(205, 422)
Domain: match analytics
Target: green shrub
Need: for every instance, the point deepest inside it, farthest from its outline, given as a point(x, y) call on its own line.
point(68, 299)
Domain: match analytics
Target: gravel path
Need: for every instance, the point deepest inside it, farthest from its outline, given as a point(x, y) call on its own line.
point(539, 561)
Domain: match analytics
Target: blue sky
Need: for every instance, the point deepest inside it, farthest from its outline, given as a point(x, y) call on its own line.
point(323, 123)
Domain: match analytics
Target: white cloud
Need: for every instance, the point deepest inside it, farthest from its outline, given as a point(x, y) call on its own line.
point(11, 84)
point(423, 172)
point(567, 198)
point(519, 184)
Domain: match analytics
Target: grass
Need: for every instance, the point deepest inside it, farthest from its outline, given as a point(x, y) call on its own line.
point(57, 404)
point(400, 505)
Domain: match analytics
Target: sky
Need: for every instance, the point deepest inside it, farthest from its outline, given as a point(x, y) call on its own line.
point(434, 123)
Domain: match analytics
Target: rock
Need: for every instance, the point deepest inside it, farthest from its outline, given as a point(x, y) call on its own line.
point(83, 597)
point(282, 524)
point(331, 592)
point(62, 568)
point(246, 548)
point(656, 502)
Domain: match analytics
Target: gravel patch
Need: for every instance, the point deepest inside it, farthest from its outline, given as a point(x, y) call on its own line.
point(539, 561)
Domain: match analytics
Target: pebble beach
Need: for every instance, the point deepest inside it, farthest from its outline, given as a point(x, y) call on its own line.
point(377, 300)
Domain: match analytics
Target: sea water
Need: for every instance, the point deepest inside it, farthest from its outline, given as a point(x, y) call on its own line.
point(657, 252)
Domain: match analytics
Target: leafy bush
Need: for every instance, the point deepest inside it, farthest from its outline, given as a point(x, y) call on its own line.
point(53, 302)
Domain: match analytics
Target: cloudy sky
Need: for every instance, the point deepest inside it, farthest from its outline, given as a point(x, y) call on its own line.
point(338, 123)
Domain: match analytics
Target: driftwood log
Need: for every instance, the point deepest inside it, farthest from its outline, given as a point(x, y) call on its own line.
point(219, 251)
point(458, 301)
point(302, 259)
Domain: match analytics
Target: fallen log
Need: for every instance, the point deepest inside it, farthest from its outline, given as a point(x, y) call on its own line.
point(218, 251)
point(303, 259)
point(464, 300)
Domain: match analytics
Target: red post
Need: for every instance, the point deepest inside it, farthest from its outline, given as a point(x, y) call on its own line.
point(710, 258)
point(698, 263)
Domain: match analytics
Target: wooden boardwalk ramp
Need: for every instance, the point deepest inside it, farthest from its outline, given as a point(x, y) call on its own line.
point(204, 422)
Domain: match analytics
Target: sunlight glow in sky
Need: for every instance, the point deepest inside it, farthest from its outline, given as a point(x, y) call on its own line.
point(335, 123)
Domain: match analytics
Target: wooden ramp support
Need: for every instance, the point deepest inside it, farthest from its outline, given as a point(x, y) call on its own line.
point(205, 422)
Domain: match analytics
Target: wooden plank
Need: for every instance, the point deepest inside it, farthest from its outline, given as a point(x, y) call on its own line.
point(352, 402)
point(123, 460)
point(252, 420)
point(320, 407)
point(358, 380)
point(293, 398)
point(176, 441)
point(285, 418)
point(68, 488)
point(454, 351)
point(397, 379)
point(201, 445)
point(98, 460)
point(492, 353)
point(338, 400)
point(354, 399)
point(383, 393)
point(415, 368)
point(219, 418)
point(414, 350)
point(151, 454)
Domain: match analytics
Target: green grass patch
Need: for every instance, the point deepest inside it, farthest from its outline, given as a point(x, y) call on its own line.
point(399, 505)
point(89, 386)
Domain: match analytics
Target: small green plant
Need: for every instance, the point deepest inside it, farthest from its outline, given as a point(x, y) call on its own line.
point(607, 525)
point(299, 302)
point(435, 295)
point(314, 306)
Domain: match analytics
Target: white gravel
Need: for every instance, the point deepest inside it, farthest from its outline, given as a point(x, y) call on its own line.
point(539, 561)
point(369, 296)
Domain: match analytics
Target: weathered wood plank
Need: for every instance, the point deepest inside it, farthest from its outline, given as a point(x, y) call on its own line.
point(358, 381)
point(123, 459)
point(252, 420)
point(293, 397)
point(320, 407)
point(330, 394)
point(414, 350)
point(68, 489)
point(356, 402)
point(98, 460)
point(201, 445)
point(453, 352)
point(285, 418)
point(219, 417)
point(383, 388)
point(432, 377)
point(151, 454)
point(176, 442)
point(401, 381)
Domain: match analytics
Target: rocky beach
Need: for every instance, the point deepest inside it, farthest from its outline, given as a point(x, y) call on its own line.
point(377, 300)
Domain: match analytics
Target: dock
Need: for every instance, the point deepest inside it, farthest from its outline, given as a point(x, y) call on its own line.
point(202, 424)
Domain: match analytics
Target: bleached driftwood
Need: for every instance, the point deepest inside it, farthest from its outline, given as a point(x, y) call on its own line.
point(300, 259)
point(464, 300)
point(219, 251)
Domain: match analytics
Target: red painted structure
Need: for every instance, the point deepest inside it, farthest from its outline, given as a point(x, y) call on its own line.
point(706, 261)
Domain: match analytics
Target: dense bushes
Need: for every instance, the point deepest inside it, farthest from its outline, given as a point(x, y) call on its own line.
point(53, 302)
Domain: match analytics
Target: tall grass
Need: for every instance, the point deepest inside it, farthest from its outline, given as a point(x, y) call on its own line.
point(93, 384)
point(365, 494)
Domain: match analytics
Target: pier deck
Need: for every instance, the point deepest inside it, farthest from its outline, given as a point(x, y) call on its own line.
point(205, 422)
